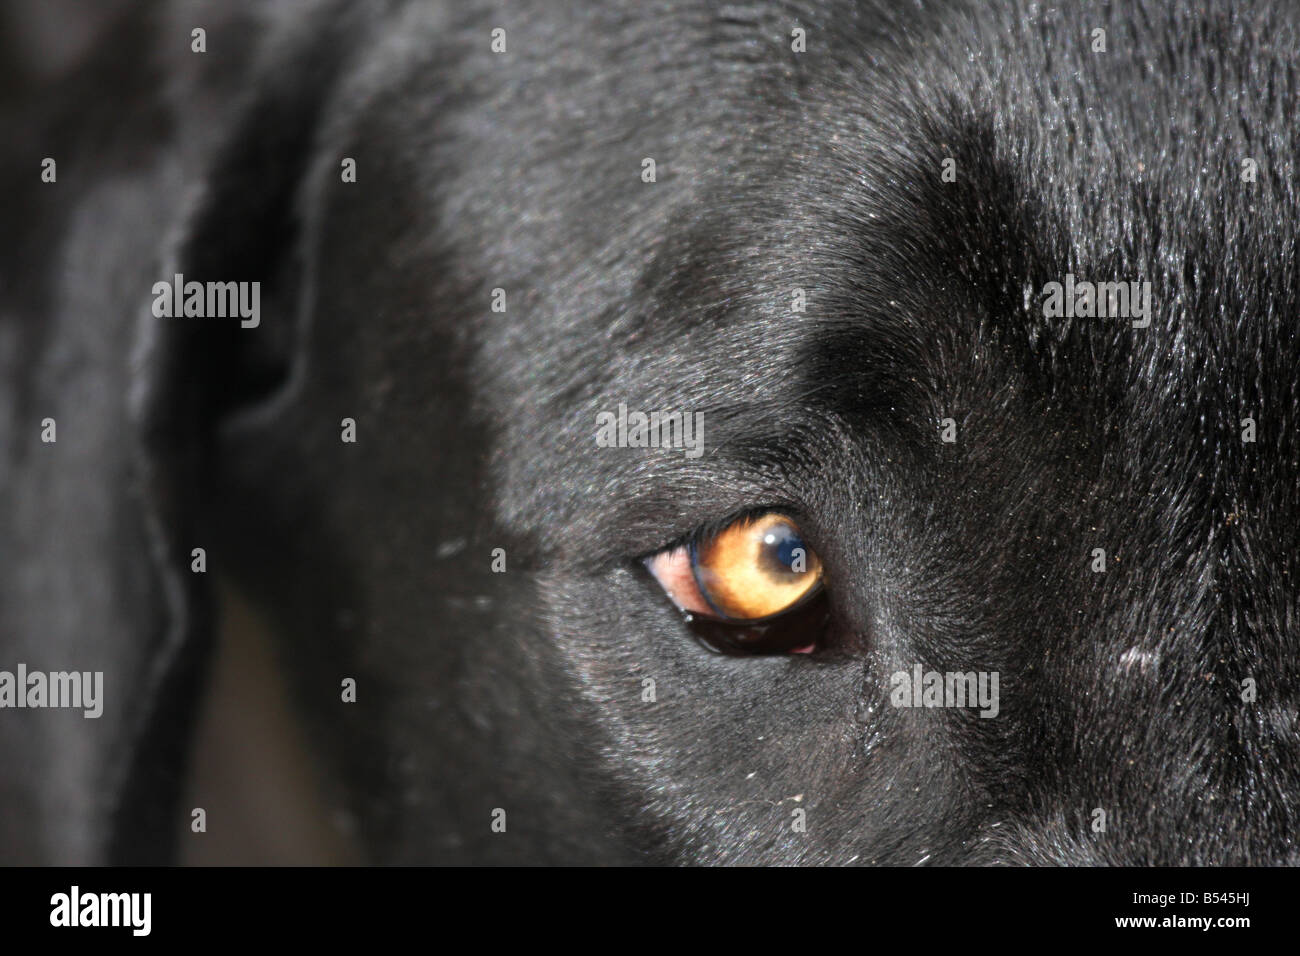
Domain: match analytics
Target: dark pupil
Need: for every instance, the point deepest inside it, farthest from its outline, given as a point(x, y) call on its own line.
point(780, 554)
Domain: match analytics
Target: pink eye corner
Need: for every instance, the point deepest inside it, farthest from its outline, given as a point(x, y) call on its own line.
point(672, 569)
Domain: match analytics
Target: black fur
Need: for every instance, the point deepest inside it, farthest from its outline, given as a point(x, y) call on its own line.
point(776, 171)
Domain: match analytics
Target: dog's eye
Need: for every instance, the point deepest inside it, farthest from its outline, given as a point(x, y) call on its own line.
point(751, 575)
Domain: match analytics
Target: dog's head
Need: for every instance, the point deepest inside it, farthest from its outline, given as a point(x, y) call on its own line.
point(936, 549)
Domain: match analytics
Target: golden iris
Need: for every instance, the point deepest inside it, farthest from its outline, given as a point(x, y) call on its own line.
point(756, 568)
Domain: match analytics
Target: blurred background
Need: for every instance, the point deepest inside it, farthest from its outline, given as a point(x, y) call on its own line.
point(251, 768)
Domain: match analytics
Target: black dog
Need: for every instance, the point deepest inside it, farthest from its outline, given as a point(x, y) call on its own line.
point(858, 246)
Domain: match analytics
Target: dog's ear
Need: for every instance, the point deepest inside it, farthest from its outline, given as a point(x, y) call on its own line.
point(106, 411)
point(249, 221)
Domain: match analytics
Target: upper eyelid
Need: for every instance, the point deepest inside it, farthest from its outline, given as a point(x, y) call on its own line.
point(682, 512)
point(711, 528)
